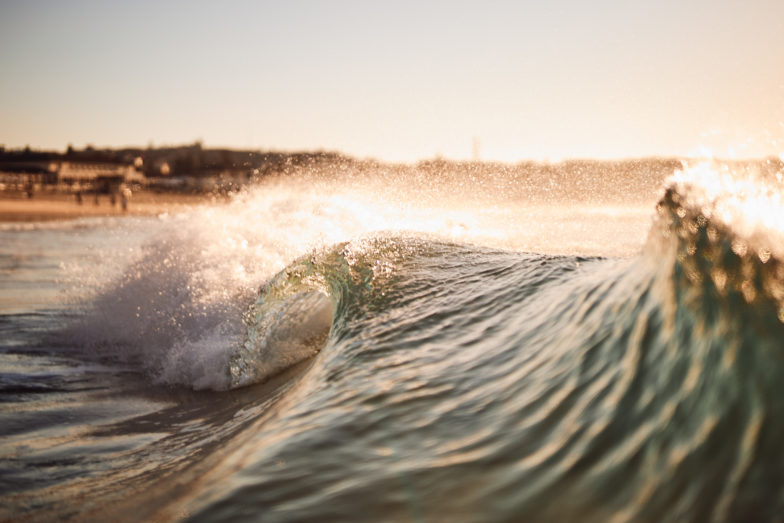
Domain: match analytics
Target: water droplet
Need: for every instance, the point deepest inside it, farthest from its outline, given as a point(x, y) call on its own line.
point(739, 247)
point(719, 278)
point(748, 290)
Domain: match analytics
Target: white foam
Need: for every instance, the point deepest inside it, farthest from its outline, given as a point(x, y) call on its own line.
point(177, 307)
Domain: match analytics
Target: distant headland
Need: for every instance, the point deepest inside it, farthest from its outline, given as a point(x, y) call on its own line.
point(192, 169)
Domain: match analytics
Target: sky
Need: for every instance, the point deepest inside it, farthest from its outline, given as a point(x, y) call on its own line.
point(398, 81)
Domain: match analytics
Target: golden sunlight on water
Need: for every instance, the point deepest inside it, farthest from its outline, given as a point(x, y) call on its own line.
point(747, 197)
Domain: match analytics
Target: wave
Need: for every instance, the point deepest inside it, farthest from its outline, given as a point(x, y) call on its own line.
point(171, 293)
point(449, 373)
point(183, 295)
point(558, 387)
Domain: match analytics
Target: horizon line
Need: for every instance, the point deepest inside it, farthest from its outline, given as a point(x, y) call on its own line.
point(363, 158)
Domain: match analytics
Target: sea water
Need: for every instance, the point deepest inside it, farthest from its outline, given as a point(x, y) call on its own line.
point(376, 347)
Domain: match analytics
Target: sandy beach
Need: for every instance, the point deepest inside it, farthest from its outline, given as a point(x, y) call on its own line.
point(45, 206)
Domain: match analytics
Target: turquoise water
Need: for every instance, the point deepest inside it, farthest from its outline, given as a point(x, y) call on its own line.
point(329, 356)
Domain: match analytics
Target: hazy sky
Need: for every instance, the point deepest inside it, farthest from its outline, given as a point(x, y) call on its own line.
point(398, 80)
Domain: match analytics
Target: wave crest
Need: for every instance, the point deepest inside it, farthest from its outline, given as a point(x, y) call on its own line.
point(298, 308)
point(723, 229)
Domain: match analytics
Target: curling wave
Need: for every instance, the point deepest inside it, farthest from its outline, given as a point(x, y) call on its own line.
point(557, 387)
point(449, 375)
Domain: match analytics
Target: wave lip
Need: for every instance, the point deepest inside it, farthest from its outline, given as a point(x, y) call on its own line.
point(724, 230)
point(313, 298)
point(281, 333)
point(290, 320)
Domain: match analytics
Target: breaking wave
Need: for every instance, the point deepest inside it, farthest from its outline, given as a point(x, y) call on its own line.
point(452, 371)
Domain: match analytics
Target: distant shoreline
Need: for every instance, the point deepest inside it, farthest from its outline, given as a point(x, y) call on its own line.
point(49, 206)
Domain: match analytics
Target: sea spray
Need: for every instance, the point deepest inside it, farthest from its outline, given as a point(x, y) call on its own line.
point(174, 297)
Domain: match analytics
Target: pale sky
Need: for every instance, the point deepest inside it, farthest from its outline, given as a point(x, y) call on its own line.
point(398, 80)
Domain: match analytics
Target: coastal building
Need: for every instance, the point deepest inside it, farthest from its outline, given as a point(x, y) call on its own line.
point(23, 174)
point(97, 173)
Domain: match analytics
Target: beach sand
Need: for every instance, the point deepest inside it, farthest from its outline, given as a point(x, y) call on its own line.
point(45, 206)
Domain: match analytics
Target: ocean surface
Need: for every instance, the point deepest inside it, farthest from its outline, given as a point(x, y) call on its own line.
point(362, 348)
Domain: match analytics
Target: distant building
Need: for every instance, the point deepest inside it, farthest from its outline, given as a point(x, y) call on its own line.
point(101, 174)
point(19, 172)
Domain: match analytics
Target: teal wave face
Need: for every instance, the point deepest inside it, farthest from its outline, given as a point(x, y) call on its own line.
point(545, 387)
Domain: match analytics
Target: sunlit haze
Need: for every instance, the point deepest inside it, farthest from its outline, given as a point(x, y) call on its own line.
point(398, 81)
